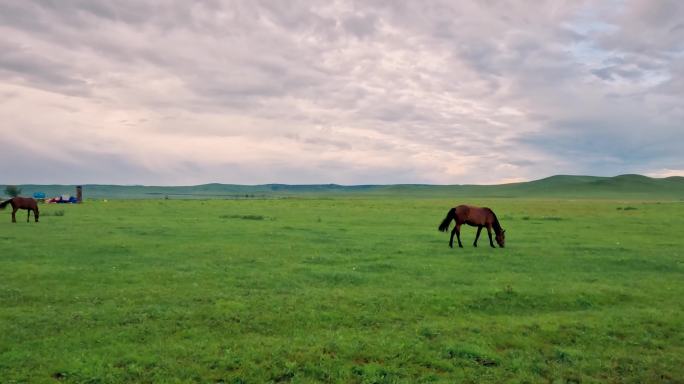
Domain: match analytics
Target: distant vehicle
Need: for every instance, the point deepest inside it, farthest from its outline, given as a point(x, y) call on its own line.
point(66, 199)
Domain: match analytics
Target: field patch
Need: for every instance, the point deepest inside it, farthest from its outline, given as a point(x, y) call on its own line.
point(351, 290)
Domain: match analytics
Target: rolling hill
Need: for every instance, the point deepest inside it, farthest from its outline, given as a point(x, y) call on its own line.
point(559, 186)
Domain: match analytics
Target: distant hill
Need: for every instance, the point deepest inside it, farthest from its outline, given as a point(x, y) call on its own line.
point(559, 186)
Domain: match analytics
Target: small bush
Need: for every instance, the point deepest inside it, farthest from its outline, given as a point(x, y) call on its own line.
point(53, 213)
point(243, 217)
point(12, 191)
point(474, 353)
point(428, 333)
point(544, 218)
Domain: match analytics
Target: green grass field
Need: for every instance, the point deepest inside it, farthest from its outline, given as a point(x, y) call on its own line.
point(352, 290)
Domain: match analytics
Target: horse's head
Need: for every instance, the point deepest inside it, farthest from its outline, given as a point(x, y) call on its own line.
point(501, 238)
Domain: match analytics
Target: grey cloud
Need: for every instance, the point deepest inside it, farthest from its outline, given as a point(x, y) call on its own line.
point(646, 28)
point(612, 72)
point(616, 146)
point(318, 141)
point(33, 167)
point(361, 26)
point(25, 65)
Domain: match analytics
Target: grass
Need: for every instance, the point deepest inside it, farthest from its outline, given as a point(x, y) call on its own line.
point(360, 290)
point(52, 212)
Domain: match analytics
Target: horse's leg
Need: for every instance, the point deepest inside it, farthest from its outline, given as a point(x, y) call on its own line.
point(458, 234)
point(28, 215)
point(14, 215)
point(489, 232)
point(35, 214)
point(451, 240)
point(479, 229)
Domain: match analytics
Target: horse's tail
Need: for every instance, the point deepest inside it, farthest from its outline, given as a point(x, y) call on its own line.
point(451, 215)
point(4, 203)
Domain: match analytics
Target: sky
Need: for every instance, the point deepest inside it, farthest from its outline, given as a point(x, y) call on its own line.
point(350, 92)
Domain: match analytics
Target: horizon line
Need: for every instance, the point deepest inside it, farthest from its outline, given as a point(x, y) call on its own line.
point(343, 185)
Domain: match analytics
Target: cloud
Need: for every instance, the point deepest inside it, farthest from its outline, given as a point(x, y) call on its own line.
point(666, 172)
point(348, 92)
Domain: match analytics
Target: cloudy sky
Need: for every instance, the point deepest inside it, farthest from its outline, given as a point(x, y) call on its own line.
point(349, 92)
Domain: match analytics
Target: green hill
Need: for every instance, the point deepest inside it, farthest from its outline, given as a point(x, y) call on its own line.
point(559, 186)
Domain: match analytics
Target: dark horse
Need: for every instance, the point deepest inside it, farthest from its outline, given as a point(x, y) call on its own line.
point(476, 217)
point(22, 203)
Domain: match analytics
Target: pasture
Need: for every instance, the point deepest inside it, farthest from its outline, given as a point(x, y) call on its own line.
point(343, 289)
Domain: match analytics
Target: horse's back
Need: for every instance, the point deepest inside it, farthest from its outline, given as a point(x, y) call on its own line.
point(25, 202)
point(473, 215)
point(462, 211)
point(465, 209)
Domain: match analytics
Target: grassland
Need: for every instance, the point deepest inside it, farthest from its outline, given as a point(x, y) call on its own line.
point(340, 289)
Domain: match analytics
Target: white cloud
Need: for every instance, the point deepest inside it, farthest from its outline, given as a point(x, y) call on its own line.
point(665, 172)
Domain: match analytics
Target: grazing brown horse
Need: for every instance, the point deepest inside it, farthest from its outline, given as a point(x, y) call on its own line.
point(476, 217)
point(22, 203)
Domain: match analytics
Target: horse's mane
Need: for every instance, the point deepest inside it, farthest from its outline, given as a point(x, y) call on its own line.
point(495, 224)
point(4, 203)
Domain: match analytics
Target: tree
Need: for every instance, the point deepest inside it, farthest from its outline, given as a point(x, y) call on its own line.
point(12, 191)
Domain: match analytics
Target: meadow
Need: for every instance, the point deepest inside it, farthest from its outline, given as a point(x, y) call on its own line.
point(342, 289)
